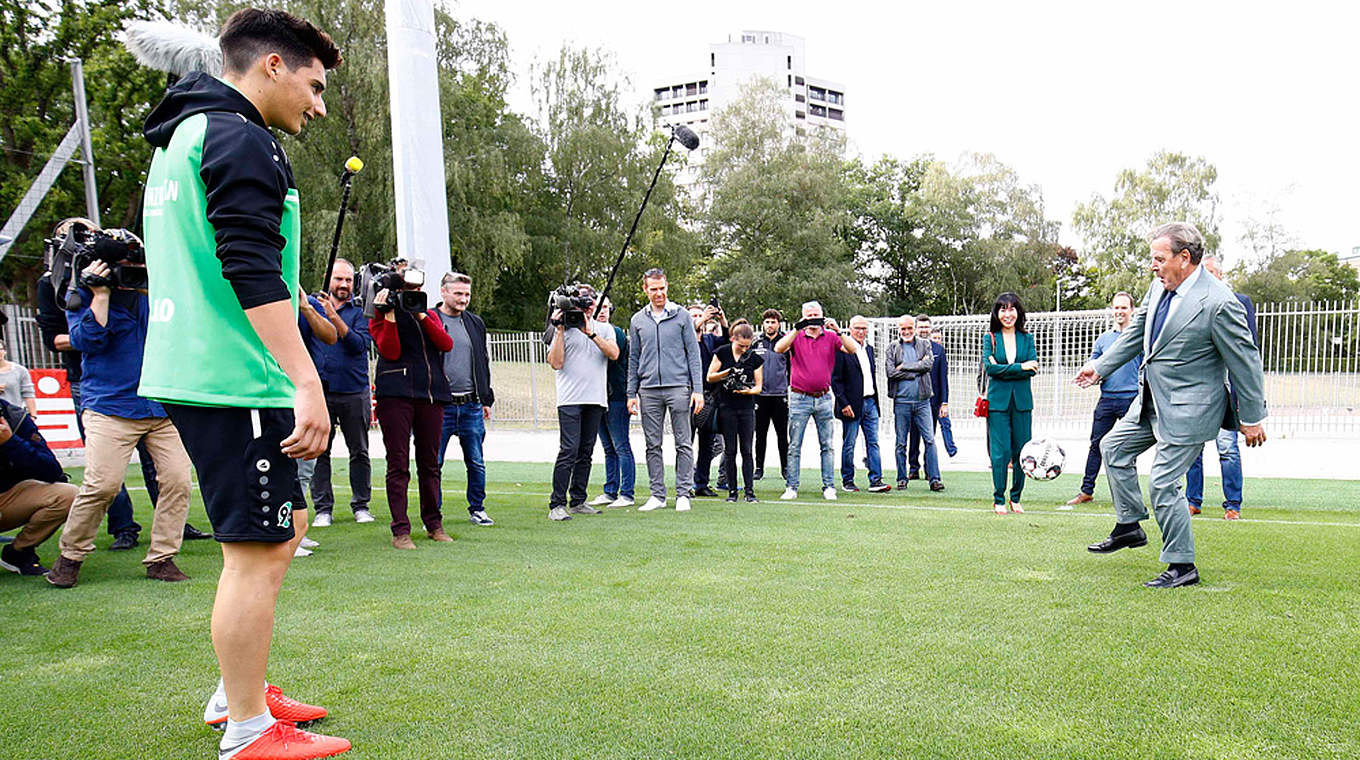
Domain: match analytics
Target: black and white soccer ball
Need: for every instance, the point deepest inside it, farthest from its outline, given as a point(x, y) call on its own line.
point(1042, 459)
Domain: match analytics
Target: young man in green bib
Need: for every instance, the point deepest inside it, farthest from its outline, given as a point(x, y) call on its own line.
point(223, 351)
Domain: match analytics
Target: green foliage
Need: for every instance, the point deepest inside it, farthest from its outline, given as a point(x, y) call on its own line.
point(1311, 275)
point(1173, 187)
point(36, 40)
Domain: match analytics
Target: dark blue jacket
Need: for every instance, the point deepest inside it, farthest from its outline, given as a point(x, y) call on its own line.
point(939, 376)
point(112, 356)
point(343, 366)
point(25, 455)
point(847, 382)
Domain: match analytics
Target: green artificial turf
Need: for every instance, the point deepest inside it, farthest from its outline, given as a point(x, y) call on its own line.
point(902, 625)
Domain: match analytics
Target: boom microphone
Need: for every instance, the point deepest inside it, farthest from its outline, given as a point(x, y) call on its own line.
point(173, 48)
point(352, 167)
point(686, 136)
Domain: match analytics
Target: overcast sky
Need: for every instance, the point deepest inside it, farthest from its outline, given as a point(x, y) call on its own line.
point(1067, 93)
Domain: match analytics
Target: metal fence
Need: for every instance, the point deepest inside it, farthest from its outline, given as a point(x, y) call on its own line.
point(1310, 352)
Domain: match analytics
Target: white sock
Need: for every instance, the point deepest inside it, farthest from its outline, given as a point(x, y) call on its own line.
point(245, 730)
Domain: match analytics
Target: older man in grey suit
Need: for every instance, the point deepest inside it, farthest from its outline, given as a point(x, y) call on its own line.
point(1192, 332)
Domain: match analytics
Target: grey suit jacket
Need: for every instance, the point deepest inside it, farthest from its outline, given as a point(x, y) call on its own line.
point(1205, 336)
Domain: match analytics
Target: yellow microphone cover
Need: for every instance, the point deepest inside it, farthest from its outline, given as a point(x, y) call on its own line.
point(354, 164)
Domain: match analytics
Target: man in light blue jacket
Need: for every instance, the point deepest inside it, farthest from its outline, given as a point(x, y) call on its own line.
point(664, 378)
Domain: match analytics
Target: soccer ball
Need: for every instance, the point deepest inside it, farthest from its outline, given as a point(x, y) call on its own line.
point(1042, 459)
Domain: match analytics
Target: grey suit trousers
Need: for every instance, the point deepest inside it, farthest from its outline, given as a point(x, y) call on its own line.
point(653, 405)
point(1171, 462)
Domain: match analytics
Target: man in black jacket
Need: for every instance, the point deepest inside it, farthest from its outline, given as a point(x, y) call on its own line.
point(34, 493)
point(855, 386)
point(468, 369)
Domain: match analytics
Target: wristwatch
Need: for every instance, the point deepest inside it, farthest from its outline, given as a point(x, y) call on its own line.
point(591, 336)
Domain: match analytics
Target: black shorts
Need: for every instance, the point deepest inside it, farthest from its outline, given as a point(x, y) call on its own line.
point(249, 485)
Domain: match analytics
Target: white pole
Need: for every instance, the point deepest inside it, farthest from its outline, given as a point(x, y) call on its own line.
point(417, 139)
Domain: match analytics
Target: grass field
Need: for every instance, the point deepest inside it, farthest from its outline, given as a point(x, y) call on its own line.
point(916, 625)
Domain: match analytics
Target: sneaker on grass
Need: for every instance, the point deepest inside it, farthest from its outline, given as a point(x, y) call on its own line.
point(281, 707)
point(582, 509)
point(302, 552)
point(682, 504)
point(653, 503)
point(308, 543)
point(622, 501)
point(603, 500)
point(789, 494)
point(21, 561)
point(559, 514)
point(479, 517)
point(322, 520)
point(829, 493)
point(283, 741)
point(362, 515)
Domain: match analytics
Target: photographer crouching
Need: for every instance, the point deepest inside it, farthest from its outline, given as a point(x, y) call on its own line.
point(411, 390)
point(579, 352)
point(107, 315)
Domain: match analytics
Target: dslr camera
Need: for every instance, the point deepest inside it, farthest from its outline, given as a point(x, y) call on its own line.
point(574, 301)
point(401, 280)
point(741, 379)
point(80, 247)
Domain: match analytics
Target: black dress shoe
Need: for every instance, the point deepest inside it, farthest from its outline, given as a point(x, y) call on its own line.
point(1114, 543)
point(194, 534)
point(707, 492)
point(1175, 578)
point(123, 541)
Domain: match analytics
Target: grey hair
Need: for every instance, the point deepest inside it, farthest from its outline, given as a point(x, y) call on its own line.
point(811, 304)
point(1183, 236)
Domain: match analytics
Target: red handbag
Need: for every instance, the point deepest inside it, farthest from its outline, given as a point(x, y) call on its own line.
point(980, 405)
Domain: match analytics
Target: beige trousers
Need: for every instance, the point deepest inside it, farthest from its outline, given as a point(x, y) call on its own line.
point(109, 443)
point(39, 507)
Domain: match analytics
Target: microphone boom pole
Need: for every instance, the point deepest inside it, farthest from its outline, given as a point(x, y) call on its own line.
point(352, 167)
point(690, 141)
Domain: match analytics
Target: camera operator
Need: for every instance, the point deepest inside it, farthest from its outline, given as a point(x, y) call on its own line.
point(737, 371)
point(51, 319)
point(109, 329)
point(412, 392)
point(580, 356)
point(710, 327)
point(34, 493)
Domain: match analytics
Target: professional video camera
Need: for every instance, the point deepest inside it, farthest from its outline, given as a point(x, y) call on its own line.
point(574, 301)
point(73, 252)
point(401, 280)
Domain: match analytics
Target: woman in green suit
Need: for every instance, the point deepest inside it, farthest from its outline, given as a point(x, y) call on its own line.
point(1010, 360)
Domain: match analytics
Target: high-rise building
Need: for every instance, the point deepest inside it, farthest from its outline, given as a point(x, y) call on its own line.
point(692, 99)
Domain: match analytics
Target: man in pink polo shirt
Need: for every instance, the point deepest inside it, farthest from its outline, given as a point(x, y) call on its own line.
point(812, 348)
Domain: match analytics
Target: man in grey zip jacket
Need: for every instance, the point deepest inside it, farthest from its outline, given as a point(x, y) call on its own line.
point(663, 377)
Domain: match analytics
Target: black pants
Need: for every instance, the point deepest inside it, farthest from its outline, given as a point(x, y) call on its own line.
point(704, 449)
point(350, 413)
point(1108, 411)
point(773, 409)
point(738, 427)
point(578, 425)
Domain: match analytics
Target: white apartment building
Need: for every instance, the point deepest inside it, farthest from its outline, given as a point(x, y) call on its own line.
point(693, 98)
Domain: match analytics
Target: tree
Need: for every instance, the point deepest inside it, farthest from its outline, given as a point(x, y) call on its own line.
point(1173, 187)
point(1310, 275)
point(778, 217)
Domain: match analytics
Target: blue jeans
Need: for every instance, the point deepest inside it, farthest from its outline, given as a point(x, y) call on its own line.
point(868, 420)
point(465, 421)
point(822, 411)
point(1230, 462)
point(908, 415)
point(620, 471)
point(1108, 411)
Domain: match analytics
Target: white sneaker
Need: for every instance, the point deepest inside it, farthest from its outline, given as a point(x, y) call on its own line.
point(622, 501)
point(603, 500)
point(301, 552)
point(682, 504)
point(829, 493)
point(653, 503)
point(789, 494)
point(559, 514)
point(322, 520)
point(308, 543)
point(362, 516)
point(1065, 507)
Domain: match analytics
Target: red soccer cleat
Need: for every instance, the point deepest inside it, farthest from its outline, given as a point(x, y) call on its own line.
point(284, 741)
point(281, 707)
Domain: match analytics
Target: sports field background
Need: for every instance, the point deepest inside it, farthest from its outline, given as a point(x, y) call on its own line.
point(907, 625)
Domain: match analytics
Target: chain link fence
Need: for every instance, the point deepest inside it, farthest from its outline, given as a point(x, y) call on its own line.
point(1309, 351)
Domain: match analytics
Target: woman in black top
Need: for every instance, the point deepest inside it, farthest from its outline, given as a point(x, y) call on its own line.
point(737, 369)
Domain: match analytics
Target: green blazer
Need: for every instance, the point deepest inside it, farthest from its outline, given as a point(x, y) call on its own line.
point(1007, 384)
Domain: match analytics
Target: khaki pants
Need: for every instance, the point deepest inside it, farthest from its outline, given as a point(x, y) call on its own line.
point(109, 443)
point(40, 507)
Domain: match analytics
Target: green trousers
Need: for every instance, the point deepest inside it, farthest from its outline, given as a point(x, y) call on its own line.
point(1007, 432)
